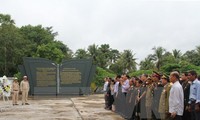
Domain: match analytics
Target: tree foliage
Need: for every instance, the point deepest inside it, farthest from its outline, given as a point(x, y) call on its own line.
point(40, 41)
point(27, 41)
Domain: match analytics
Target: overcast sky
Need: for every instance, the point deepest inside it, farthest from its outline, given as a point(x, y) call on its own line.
point(137, 25)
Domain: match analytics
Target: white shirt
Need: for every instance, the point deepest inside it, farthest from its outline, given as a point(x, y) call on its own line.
point(176, 98)
point(116, 87)
point(125, 86)
point(105, 86)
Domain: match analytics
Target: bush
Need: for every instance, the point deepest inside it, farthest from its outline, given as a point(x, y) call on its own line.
point(140, 72)
point(100, 75)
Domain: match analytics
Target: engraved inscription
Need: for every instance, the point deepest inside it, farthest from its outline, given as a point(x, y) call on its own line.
point(70, 76)
point(45, 77)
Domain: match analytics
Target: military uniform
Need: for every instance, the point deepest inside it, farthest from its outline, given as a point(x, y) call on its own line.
point(24, 87)
point(15, 91)
point(149, 100)
point(164, 102)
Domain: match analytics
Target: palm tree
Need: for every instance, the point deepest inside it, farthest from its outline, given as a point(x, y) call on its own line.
point(93, 52)
point(127, 61)
point(177, 55)
point(114, 55)
point(158, 54)
point(81, 53)
point(198, 49)
point(103, 55)
point(147, 63)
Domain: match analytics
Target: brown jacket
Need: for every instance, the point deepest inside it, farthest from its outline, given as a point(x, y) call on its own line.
point(24, 85)
point(15, 86)
point(164, 99)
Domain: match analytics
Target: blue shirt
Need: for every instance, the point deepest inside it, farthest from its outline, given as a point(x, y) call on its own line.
point(195, 91)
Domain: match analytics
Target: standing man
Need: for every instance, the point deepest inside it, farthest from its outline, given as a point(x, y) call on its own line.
point(186, 91)
point(15, 91)
point(164, 98)
point(149, 98)
point(176, 97)
point(24, 88)
point(143, 115)
point(117, 79)
point(105, 86)
point(125, 84)
point(194, 97)
point(157, 90)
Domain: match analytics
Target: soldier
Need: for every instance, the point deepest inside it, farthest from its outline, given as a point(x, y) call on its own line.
point(157, 90)
point(15, 91)
point(149, 98)
point(144, 79)
point(143, 115)
point(164, 98)
point(24, 88)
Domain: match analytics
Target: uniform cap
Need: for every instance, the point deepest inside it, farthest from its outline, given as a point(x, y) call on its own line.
point(165, 77)
point(156, 74)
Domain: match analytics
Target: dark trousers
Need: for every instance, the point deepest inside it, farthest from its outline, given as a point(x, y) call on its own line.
point(194, 114)
point(124, 93)
point(106, 100)
point(177, 117)
point(186, 115)
point(110, 101)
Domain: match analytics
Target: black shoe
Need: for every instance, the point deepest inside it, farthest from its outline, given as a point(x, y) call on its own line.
point(22, 103)
point(27, 104)
point(13, 104)
point(16, 104)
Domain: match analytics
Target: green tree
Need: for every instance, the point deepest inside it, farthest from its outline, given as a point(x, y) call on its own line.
point(147, 63)
point(116, 68)
point(65, 50)
point(81, 54)
point(6, 19)
point(100, 75)
point(38, 34)
point(198, 49)
point(11, 47)
point(114, 55)
point(127, 61)
point(192, 57)
point(104, 52)
point(158, 54)
point(50, 51)
point(93, 52)
point(177, 55)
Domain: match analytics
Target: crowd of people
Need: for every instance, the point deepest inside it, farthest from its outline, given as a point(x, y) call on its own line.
point(154, 97)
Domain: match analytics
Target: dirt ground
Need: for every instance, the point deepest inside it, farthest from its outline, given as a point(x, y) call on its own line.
point(58, 108)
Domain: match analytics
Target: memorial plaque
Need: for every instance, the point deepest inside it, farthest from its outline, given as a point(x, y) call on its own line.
point(45, 77)
point(69, 77)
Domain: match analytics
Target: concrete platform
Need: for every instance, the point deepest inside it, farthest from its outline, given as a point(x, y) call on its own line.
point(59, 108)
